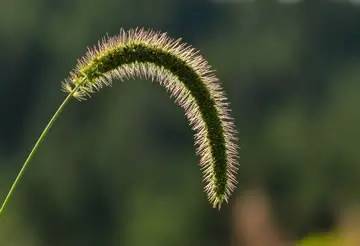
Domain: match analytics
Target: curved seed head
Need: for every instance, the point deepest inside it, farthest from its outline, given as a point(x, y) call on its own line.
point(188, 78)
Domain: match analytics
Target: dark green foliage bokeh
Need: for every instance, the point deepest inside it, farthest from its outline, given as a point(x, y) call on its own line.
point(120, 169)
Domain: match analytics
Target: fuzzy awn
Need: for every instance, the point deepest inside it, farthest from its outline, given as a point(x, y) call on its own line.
point(188, 78)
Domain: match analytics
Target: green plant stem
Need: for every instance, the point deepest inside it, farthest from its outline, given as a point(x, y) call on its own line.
point(35, 148)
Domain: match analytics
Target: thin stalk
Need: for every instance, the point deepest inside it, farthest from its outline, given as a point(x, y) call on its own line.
point(36, 147)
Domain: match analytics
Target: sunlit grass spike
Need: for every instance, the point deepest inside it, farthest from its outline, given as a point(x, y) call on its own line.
point(189, 79)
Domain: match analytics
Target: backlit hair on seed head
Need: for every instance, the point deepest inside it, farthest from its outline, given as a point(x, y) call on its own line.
point(187, 77)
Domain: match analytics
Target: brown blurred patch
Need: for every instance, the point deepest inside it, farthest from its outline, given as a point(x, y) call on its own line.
point(349, 226)
point(253, 223)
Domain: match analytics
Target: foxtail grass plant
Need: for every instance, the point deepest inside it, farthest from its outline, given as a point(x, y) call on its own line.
point(188, 78)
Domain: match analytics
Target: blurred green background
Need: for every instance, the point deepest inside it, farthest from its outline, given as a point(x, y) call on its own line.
point(120, 169)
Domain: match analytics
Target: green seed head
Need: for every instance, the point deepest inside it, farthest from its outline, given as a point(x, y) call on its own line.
point(189, 80)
